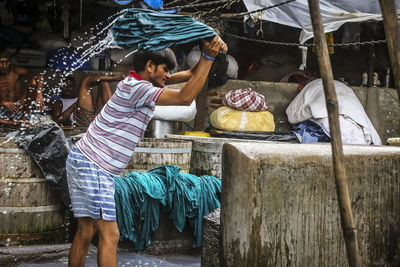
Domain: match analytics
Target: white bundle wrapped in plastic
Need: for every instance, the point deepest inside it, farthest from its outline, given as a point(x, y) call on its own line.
point(355, 126)
point(175, 113)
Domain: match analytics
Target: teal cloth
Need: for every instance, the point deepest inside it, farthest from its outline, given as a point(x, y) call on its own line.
point(138, 197)
point(145, 29)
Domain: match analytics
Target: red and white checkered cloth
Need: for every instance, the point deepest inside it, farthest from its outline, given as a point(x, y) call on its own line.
point(245, 99)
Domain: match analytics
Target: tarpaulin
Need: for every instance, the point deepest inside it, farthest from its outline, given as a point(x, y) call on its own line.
point(66, 59)
point(155, 4)
point(145, 29)
point(334, 13)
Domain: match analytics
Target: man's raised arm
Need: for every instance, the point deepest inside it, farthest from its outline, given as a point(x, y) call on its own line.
point(195, 77)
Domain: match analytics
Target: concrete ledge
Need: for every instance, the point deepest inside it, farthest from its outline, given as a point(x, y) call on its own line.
point(211, 247)
point(279, 205)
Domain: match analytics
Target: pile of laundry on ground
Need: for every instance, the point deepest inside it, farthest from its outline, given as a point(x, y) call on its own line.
point(185, 197)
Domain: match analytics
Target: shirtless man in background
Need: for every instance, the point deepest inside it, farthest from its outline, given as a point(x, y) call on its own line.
point(80, 108)
point(15, 103)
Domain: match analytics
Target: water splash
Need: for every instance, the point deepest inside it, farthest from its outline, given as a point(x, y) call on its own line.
point(100, 40)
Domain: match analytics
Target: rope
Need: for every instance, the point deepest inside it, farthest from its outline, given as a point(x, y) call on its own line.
point(227, 4)
point(255, 11)
point(374, 42)
point(173, 3)
point(207, 3)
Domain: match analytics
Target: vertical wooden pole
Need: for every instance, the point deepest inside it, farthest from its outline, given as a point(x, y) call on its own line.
point(346, 215)
point(392, 31)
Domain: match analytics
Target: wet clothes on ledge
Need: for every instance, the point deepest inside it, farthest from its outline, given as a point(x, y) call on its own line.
point(138, 197)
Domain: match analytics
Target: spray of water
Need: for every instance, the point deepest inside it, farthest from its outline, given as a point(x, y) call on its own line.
point(100, 40)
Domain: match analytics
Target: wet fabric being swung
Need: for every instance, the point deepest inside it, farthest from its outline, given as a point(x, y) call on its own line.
point(145, 29)
point(184, 196)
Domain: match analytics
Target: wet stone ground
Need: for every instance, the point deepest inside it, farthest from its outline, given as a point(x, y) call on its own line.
point(130, 259)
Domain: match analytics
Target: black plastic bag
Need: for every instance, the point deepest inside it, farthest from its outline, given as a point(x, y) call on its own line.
point(48, 148)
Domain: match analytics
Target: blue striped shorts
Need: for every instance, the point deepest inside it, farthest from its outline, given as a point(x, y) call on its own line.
point(91, 189)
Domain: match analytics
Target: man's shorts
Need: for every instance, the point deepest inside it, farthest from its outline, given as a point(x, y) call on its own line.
point(91, 189)
point(7, 114)
point(83, 117)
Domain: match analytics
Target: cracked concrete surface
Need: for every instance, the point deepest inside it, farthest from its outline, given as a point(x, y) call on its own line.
point(11, 256)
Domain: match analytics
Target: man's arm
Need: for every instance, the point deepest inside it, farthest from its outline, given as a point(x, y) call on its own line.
point(182, 76)
point(58, 116)
point(94, 79)
point(36, 82)
point(196, 82)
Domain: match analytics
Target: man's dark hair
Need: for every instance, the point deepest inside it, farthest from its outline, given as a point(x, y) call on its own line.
point(165, 56)
point(70, 78)
point(6, 54)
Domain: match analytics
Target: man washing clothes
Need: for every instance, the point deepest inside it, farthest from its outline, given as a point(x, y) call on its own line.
point(15, 103)
point(111, 139)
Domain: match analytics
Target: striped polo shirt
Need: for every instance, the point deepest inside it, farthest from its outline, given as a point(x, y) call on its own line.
point(112, 137)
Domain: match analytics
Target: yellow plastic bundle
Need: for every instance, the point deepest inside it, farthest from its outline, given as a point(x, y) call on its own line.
point(196, 133)
point(228, 119)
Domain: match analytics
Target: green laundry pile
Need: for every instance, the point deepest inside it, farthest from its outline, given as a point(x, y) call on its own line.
point(138, 197)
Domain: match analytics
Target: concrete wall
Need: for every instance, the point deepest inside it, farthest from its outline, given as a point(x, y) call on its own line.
point(381, 104)
point(279, 205)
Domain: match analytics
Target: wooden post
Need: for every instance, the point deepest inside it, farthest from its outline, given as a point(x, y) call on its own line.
point(392, 31)
point(346, 215)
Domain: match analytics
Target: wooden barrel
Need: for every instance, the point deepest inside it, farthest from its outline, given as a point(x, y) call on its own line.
point(206, 158)
point(30, 212)
point(154, 152)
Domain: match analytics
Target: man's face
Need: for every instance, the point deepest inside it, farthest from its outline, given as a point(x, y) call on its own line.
point(69, 89)
point(160, 75)
point(5, 65)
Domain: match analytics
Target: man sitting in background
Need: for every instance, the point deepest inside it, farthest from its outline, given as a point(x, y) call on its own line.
point(15, 103)
point(80, 108)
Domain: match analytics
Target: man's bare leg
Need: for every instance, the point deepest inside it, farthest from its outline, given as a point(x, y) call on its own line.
point(108, 241)
point(82, 239)
point(104, 94)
